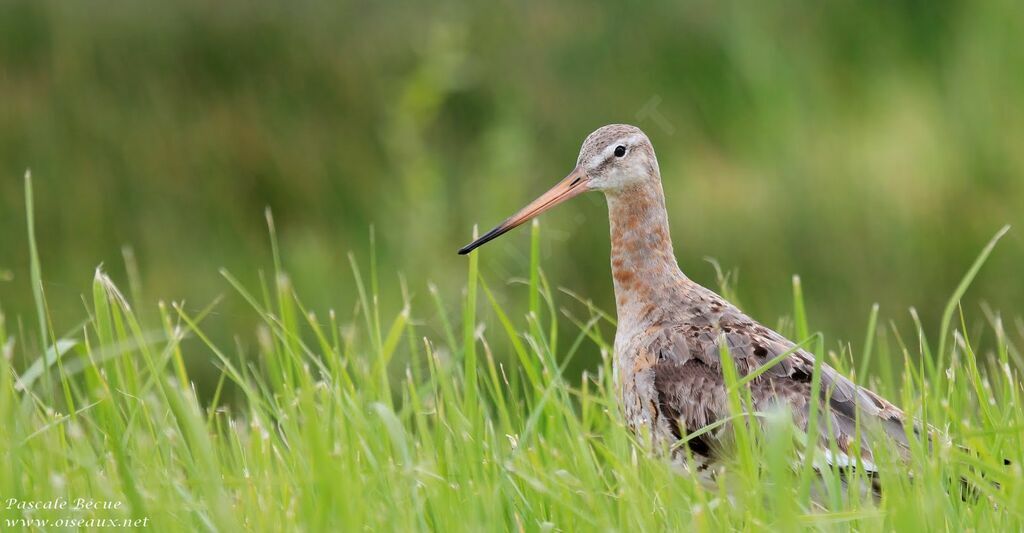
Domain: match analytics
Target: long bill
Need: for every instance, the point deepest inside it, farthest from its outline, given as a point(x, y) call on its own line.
point(576, 183)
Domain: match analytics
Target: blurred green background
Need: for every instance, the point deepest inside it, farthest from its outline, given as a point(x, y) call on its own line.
point(871, 147)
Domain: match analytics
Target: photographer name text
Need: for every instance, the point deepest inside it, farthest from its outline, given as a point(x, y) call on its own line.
point(64, 504)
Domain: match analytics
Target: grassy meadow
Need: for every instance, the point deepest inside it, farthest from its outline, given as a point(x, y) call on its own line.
point(363, 422)
point(230, 300)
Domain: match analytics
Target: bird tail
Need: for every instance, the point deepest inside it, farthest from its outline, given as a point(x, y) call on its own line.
point(971, 490)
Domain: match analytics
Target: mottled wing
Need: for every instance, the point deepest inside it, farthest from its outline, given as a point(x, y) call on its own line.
point(689, 384)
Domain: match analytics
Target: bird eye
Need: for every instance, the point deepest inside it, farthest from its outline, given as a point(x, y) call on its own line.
point(620, 151)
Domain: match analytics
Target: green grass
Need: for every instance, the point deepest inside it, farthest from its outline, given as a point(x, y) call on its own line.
point(393, 419)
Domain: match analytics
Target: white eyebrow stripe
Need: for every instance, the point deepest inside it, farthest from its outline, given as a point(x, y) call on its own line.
point(632, 139)
point(606, 153)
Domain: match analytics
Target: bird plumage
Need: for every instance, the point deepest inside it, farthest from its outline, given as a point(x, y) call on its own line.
point(670, 329)
point(668, 339)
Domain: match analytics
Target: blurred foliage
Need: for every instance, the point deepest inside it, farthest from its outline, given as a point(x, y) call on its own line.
point(871, 147)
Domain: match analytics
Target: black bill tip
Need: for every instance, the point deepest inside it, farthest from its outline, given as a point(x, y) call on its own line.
point(489, 236)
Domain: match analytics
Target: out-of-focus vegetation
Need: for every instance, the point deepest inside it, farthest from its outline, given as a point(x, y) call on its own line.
point(870, 147)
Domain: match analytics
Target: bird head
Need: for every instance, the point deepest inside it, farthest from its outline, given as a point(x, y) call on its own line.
point(616, 157)
point(613, 158)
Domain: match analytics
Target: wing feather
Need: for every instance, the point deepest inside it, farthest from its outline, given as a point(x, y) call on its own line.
point(691, 393)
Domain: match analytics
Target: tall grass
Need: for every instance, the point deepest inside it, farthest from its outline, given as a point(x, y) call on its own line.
point(377, 420)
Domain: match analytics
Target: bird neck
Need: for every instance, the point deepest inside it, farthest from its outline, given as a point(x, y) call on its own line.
point(644, 267)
